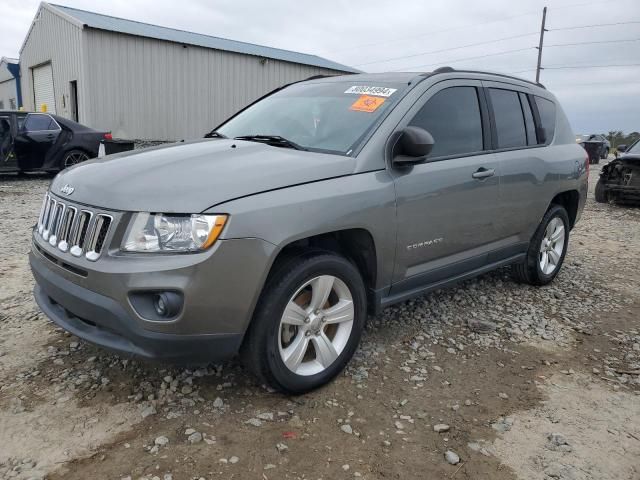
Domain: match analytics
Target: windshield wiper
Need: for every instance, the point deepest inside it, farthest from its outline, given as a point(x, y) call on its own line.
point(275, 140)
point(214, 134)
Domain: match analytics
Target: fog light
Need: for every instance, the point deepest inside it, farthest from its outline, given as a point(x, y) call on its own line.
point(167, 304)
point(160, 304)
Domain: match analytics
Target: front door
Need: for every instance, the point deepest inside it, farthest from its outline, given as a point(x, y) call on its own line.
point(35, 140)
point(447, 206)
point(7, 155)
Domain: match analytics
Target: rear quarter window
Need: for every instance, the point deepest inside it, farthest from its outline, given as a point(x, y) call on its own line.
point(547, 111)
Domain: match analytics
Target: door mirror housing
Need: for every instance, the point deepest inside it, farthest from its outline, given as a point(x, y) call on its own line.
point(413, 146)
point(622, 148)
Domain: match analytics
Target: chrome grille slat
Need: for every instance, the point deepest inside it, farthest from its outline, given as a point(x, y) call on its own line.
point(79, 231)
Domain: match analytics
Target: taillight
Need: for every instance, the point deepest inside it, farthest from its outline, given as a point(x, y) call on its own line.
point(587, 163)
point(108, 136)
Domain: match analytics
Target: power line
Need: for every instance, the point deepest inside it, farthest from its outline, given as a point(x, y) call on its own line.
point(446, 49)
point(594, 26)
point(593, 43)
point(467, 58)
point(561, 67)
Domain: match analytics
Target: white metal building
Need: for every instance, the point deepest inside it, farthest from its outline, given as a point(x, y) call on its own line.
point(144, 81)
point(9, 84)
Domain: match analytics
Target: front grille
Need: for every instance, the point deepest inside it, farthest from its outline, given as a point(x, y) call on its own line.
point(79, 231)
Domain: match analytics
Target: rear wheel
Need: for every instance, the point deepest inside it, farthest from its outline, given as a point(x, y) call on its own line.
point(601, 194)
point(308, 323)
point(547, 249)
point(72, 157)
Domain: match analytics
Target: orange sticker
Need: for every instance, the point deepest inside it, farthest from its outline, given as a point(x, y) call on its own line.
point(367, 103)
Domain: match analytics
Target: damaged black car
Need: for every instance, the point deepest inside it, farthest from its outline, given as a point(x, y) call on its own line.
point(620, 179)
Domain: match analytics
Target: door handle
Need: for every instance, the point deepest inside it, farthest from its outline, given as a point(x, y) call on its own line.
point(483, 173)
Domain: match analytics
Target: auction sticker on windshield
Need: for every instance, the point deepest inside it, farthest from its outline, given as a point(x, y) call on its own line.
point(367, 103)
point(367, 90)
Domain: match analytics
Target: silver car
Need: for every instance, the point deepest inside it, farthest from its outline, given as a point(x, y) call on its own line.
point(323, 202)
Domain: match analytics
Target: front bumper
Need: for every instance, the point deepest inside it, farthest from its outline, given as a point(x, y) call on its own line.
point(220, 291)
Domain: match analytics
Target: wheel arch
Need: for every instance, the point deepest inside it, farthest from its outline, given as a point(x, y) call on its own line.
point(355, 244)
point(570, 200)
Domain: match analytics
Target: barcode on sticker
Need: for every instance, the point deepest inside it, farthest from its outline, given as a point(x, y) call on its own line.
point(366, 90)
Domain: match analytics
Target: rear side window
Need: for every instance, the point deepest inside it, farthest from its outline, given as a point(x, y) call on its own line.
point(38, 123)
point(547, 111)
point(452, 116)
point(510, 127)
point(529, 122)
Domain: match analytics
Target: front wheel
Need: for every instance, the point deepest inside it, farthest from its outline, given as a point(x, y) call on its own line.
point(307, 324)
point(547, 249)
point(601, 194)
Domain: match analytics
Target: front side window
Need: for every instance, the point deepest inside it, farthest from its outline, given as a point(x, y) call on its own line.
point(510, 128)
point(332, 117)
point(38, 123)
point(547, 110)
point(452, 116)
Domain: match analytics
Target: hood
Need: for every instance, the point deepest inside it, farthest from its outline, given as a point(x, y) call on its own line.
point(193, 176)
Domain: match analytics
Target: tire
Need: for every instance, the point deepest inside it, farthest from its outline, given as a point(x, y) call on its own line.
point(601, 194)
point(531, 270)
point(271, 338)
point(73, 157)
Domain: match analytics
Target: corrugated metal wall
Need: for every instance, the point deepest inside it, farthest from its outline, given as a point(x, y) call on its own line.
point(56, 40)
point(152, 89)
point(7, 91)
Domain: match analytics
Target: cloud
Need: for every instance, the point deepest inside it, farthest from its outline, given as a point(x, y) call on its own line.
point(357, 33)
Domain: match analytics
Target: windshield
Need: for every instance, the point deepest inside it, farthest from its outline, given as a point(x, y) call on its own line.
point(328, 117)
point(635, 147)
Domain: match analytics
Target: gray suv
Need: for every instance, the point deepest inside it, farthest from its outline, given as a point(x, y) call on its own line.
point(322, 202)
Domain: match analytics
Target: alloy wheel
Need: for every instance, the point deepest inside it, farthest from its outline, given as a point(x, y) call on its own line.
point(74, 157)
point(316, 325)
point(552, 246)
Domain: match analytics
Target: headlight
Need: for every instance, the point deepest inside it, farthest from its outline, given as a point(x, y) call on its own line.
point(172, 233)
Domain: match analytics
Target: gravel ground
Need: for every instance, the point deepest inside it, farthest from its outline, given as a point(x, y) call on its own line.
point(551, 393)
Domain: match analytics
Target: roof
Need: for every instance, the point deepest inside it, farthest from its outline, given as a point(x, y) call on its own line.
point(131, 27)
point(381, 77)
point(8, 60)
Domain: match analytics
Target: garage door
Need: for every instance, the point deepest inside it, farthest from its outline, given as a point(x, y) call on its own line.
point(43, 88)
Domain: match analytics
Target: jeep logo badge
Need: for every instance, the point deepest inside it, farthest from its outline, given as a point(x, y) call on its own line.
point(67, 189)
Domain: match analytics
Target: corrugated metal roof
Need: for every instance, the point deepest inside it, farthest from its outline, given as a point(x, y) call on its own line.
point(9, 60)
point(131, 27)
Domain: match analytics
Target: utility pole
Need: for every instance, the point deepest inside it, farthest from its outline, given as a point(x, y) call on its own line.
point(542, 30)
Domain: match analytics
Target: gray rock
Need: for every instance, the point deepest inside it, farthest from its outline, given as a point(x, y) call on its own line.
point(161, 441)
point(346, 428)
point(441, 428)
point(481, 326)
point(218, 403)
point(255, 422)
point(195, 437)
point(452, 457)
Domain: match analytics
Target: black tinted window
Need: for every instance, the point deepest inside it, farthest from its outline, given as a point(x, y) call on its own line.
point(452, 117)
point(529, 123)
point(509, 119)
point(547, 111)
point(37, 123)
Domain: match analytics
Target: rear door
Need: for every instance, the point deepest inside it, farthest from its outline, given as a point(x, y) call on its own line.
point(446, 207)
point(34, 142)
point(7, 155)
point(523, 169)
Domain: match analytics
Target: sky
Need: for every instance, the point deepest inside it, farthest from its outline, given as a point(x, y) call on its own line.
point(599, 91)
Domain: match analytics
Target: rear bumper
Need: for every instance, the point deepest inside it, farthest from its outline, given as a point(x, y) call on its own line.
point(103, 321)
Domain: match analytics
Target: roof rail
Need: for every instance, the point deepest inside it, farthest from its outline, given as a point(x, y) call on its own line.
point(451, 69)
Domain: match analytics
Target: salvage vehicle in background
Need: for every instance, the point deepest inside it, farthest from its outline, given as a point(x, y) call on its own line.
point(323, 202)
point(44, 142)
point(620, 179)
point(597, 146)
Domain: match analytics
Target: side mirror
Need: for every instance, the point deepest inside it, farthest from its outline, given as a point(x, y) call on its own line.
point(413, 146)
point(622, 148)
